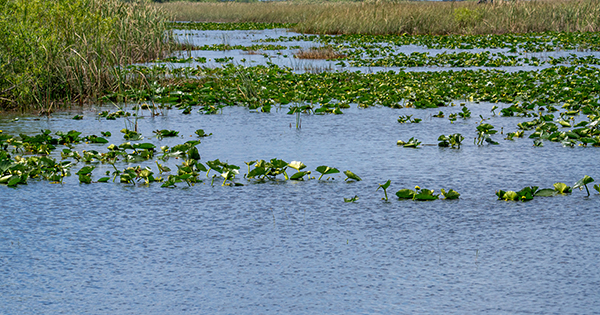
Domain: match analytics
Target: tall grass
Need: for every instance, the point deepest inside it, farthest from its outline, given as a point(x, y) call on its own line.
point(65, 51)
point(383, 17)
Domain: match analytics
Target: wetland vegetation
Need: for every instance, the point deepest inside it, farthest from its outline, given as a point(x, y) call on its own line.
point(391, 17)
point(284, 146)
point(57, 53)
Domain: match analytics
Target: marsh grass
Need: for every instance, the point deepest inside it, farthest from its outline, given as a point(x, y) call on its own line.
point(319, 53)
point(63, 52)
point(404, 17)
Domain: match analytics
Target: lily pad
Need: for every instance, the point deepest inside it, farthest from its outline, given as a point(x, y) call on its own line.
point(352, 176)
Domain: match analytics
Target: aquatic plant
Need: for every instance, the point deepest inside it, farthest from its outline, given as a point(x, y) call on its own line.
point(512, 135)
point(298, 166)
point(465, 113)
point(411, 143)
point(326, 170)
point(453, 140)
point(350, 175)
point(263, 169)
point(583, 183)
point(559, 189)
point(407, 118)
point(384, 187)
point(419, 194)
point(450, 194)
point(85, 174)
point(114, 115)
point(201, 134)
point(525, 194)
point(165, 133)
point(131, 134)
point(353, 199)
point(483, 134)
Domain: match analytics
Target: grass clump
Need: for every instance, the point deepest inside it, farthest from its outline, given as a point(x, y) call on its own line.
point(389, 17)
point(64, 51)
point(319, 53)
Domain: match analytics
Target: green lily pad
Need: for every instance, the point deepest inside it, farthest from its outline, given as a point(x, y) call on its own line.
point(405, 194)
point(546, 192)
point(352, 176)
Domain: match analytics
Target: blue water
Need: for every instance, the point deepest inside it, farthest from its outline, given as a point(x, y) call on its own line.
point(285, 247)
point(297, 247)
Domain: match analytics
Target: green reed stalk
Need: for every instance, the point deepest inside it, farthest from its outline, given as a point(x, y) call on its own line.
point(57, 52)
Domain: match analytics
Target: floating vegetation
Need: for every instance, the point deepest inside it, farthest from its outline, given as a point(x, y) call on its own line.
point(353, 199)
point(411, 143)
point(528, 193)
point(483, 134)
point(407, 119)
point(524, 194)
point(453, 141)
point(450, 194)
point(351, 176)
point(114, 115)
point(201, 134)
point(525, 42)
point(419, 194)
point(165, 133)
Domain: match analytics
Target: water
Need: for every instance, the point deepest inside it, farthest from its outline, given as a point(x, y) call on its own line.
point(297, 247)
point(285, 57)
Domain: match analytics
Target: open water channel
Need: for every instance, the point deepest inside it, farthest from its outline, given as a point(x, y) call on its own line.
point(296, 247)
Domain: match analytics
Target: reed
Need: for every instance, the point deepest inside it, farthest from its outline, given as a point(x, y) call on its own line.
point(69, 51)
point(265, 12)
point(384, 17)
point(319, 53)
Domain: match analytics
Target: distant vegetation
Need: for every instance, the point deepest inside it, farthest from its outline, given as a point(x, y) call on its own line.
point(65, 51)
point(384, 17)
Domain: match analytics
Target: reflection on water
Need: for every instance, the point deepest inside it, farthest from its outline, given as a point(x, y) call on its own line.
point(296, 247)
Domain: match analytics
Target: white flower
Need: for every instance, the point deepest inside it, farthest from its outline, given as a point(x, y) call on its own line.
point(297, 165)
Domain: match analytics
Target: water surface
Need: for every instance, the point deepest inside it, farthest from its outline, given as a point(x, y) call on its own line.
point(297, 247)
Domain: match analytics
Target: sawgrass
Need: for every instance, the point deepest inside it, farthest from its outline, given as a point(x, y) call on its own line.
point(68, 51)
point(382, 17)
